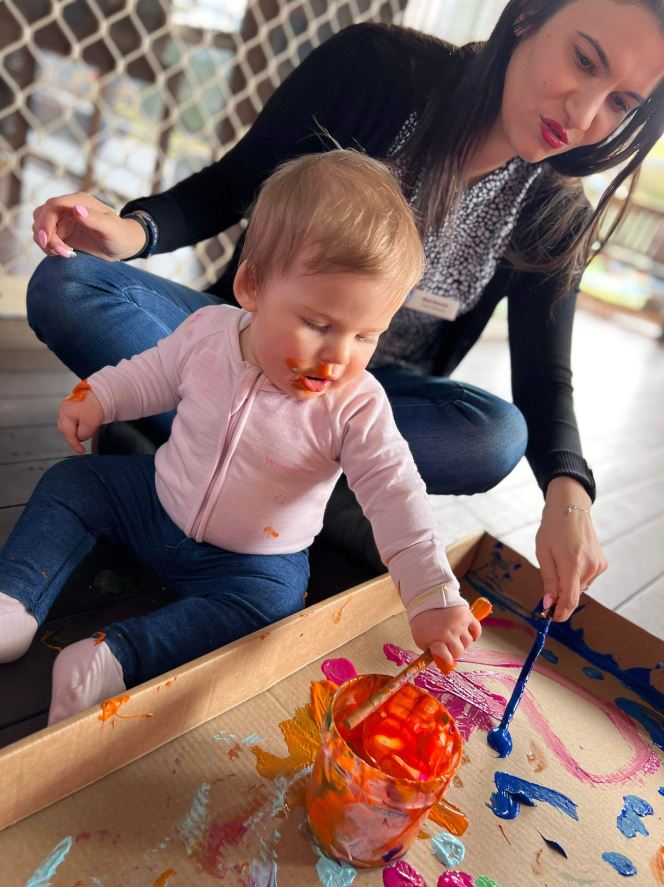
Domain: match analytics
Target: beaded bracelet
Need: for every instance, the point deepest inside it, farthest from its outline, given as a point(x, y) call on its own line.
point(151, 231)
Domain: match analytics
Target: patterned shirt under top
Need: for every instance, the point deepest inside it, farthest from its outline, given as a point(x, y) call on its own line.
point(461, 257)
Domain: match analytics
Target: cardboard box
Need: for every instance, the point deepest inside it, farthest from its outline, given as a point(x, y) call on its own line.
point(174, 797)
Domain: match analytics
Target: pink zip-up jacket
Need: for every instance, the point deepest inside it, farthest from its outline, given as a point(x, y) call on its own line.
point(250, 469)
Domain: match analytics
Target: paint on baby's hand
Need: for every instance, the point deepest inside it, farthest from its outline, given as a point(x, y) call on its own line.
point(79, 392)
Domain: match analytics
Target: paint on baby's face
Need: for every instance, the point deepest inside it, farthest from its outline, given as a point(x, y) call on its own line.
point(311, 380)
point(312, 333)
point(79, 392)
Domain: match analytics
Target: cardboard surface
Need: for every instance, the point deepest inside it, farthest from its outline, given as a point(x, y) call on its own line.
point(196, 811)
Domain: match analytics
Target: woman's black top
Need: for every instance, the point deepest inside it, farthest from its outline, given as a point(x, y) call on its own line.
point(361, 87)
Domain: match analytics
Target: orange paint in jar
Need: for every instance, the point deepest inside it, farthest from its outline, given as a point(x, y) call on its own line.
point(372, 787)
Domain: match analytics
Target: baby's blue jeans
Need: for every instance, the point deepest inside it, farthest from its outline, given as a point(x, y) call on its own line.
point(221, 595)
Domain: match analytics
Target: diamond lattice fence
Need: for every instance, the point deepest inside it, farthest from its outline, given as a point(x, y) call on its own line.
point(125, 97)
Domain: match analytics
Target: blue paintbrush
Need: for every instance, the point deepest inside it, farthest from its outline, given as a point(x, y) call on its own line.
point(499, 738)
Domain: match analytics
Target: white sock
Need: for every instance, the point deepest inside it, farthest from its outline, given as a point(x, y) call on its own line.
point(17, 628)
point(84, 673)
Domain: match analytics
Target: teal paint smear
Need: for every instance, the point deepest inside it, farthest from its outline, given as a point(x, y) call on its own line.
point(549, 656)
point(620, 863)
point(42, 877)
point(629, 818)
point(335, 874)
point(485, 881)
point(448, 849)
point(566, 877)
point(193, 823)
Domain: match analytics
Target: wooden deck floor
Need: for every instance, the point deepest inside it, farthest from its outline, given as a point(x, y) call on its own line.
point(619, 378)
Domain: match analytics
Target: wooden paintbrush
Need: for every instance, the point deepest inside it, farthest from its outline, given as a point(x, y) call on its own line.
point(480, 609)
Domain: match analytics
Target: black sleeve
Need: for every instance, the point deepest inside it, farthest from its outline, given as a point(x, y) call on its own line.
point(540, 335)
point(347, 87)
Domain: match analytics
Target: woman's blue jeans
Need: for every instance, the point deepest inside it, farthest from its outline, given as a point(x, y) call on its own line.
point(92, 313)
point(221, 595)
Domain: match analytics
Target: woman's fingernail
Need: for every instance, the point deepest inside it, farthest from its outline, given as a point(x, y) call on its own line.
point(82, 211)
point(547, 601)
point(43, 238)
point(64, 252)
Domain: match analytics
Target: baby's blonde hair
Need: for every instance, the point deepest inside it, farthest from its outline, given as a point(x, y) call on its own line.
point(346, 211)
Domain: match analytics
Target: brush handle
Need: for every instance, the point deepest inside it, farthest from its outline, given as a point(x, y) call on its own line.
point(480, 608)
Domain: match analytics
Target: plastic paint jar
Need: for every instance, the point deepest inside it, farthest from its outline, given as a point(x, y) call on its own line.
point(370, 789)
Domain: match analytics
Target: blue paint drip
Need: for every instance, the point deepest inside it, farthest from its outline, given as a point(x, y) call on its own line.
point(637, 679)
point(629, 818)
point(594, 673)
point(42, 877)
point(512, 792)
point(448, 849)
point(648, 719)
point(393, 852)
point(661, 790)
point(499, 737)
point(335, 874)
point(550, 656)
point(620, 863)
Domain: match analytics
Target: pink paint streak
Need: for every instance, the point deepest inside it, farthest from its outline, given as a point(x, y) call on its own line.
point(469, 687)
point(402, 875)
point(220, 836)
point(338, 670)
point(455, 879)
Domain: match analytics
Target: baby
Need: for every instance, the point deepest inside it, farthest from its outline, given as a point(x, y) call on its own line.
point(273, 401)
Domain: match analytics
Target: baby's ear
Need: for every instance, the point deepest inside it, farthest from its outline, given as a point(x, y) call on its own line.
point(245, 287)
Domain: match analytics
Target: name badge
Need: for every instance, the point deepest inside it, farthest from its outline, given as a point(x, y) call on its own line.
point(431, 303)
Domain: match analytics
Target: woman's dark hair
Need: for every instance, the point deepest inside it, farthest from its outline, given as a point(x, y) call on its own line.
point(441, 148)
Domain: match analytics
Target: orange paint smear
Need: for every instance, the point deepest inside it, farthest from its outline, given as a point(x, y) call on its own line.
point(80, 391)
point(449, 817)
point(163, 877)
point(109, 709)
point(302, 741)
point(270, 531)
point(337, 616)
point(99, 637)
point(657, 865)
point(502, 832)
point(45, 641)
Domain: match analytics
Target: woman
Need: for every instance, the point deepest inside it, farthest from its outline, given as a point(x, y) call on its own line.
point(488, 142)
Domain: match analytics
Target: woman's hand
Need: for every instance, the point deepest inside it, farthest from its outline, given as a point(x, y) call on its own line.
point(568, 551)
point(79, 416)
point(79, 221)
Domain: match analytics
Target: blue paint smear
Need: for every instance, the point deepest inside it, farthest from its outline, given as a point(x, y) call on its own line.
point(448, 849)
point(637, 679)
point(620, 863)
point(629, 818)
point(648, 719)
point(594, 673)
point(550, 656)
point(499, 737)
point(661, 790)
point(335, 874)
point(42, 877)
point(262, 873)
point(512, 792)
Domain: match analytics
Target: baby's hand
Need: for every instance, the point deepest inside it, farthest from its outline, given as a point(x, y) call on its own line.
point(79, 416)
point(447, 632)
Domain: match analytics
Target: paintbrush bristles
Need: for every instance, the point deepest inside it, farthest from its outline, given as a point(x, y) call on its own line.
point(391, 687)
